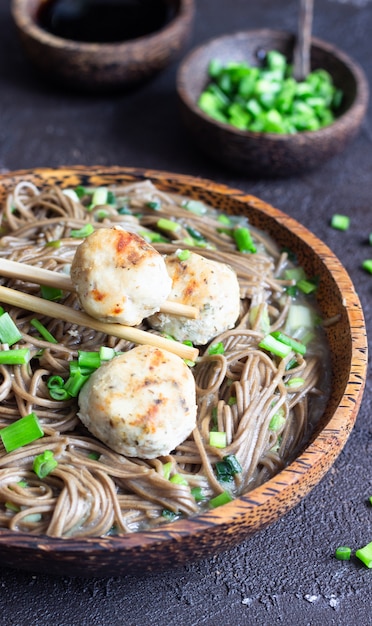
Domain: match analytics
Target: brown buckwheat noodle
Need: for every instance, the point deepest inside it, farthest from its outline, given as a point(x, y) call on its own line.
point(94, 491)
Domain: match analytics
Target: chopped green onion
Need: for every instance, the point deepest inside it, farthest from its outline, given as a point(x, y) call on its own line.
point(370, 239)
point(228, 467)
point(178, 479)
point(15, 357)
point(295, 345)
point(194, 206)
point(44, 464)
point(50, 293)
point(222, 498)
point(231, 401)
point(217, 439)
point(224, 219)
point(74, 384)
point(216, 348)
point(9, 332)
point(99, 197)
point(295, 273)
point(366, 265)
point(168, 225)
point(167, 468)
point(44, 332)
point(56, 243)
point(299, 317)
point(169, 515)
point(22, 432)
point(80, 191)
point(155, 205)
point(307, 286)
point(276, 347)
point(365, 555)
point(197, 494)
point(243, 240)
point(89, 359)
point(183, 255)
point(277, 421)
point(340, 222)
point(12, 507)
point(295, 382)
point(86, 230)
point(343, 553)
point(106, 353)
point(370, 499)
point(94, 456)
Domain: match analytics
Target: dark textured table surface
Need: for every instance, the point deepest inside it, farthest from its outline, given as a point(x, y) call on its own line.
point(286, 574)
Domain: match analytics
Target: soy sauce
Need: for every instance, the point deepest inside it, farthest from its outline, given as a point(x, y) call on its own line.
point(104, 21)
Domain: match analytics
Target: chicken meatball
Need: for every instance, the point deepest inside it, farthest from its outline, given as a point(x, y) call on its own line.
point(209, 286)
point(142, 403)
point(119, 277)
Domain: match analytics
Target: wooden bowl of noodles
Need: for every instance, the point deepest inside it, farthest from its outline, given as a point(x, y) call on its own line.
point(211, 530)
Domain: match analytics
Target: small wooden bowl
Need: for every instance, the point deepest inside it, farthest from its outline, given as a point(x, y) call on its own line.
point(102, 66)
point(178, 543)
point(269, 154)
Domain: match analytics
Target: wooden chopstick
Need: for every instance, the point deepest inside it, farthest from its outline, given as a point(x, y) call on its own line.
point(40, 276)
point(62, 312)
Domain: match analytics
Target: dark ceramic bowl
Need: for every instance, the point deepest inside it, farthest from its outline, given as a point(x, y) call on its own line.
point(102, 66)
point(269, 154)
point(180, 542)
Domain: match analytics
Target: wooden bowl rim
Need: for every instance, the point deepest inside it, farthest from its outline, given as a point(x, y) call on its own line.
point(27, 25)
point(318, 455)
point(355, 111)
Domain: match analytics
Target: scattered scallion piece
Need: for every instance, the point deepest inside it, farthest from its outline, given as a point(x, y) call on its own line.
point(50, 293)
point(227, 468)
point(168, 225)
point(100, 196)
point(216, 348)
point(343, 553)
point(74, 384)
point(106, 353)
point(56, 388)
point(217, 439)
point(295, 382)
point(19, 356)
point(197, 494)
point(222, 498)
point(44, 332)
point(277, 421)
point(80, 191)
point(366, 265)
point(365, 555)
point(183, 255)
point(307, 286)
point(89, 359)
point(194, 206)
point(243, 240)
point(169, 515)
point(9, 332)
point(340, 222)
point(295, 345)
point(94, 456)
point(82, 232)
point(167, 468)
point(276, 347)
point(22, 432)
point(44, 464)
point(178, 479)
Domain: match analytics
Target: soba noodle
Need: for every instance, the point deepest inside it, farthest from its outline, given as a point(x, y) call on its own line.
point(94, 491)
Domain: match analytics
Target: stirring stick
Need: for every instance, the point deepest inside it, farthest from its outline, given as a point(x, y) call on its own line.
point(62, 312)
point(301, 55)
point(40, 276)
